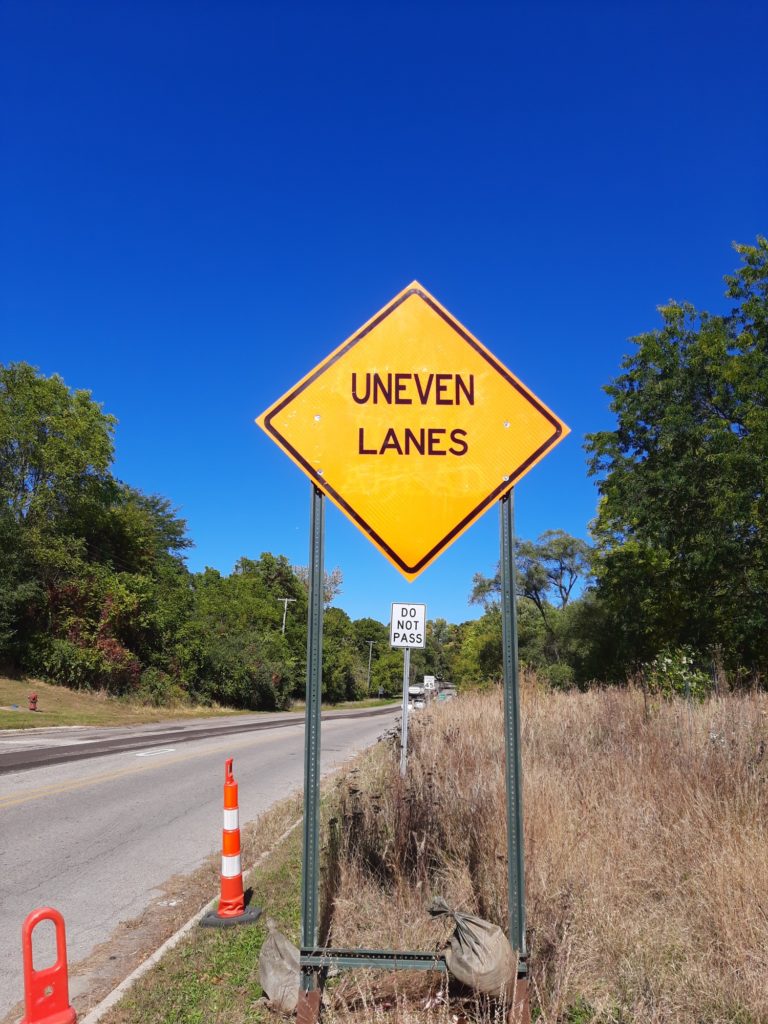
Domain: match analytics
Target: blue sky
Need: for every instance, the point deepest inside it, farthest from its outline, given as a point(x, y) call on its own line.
point(200, 201)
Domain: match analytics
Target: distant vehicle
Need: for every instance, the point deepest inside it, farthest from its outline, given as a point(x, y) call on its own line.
point(419, 703)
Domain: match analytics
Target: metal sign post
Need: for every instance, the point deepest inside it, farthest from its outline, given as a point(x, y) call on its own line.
point(407, 629)
point(514, 782)
point(404, 727)
point(310, 861)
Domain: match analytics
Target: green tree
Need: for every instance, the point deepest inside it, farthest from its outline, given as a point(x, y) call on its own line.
point(55, 446)
point(387, 672)
point(681, 524)
point(92, 579)
point(344, 670)
point(55, 451)
point(547, 571)
point(480, 659)
point(232, 648)
point(443, 643)
point(371, 639)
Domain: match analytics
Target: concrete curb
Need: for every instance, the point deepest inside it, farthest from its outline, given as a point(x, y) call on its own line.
point(116, 994)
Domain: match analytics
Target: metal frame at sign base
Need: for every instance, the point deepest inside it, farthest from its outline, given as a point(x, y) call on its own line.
point(315, 961)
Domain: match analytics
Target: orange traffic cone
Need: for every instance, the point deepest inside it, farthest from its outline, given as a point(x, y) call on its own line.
point(46, 992)
point(232, 908)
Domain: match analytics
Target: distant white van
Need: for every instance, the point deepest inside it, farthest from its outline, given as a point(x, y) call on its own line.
point(416, 698)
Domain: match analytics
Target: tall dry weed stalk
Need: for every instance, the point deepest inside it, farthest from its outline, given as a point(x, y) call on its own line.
point(646, 845)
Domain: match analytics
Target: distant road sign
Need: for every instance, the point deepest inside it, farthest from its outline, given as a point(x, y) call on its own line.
point(413, 428)
point(408, 625)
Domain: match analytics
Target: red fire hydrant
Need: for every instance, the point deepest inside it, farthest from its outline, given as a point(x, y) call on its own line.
point(33, 702)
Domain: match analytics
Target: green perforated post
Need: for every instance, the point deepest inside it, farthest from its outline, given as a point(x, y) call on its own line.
point(310, 862)
point(515, 853)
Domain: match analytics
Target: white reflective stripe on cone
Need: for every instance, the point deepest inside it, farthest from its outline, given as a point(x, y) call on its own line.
point(230, 866)
point(231, 819)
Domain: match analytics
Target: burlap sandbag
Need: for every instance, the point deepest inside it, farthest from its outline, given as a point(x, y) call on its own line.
point(279, 970)
point(478, 953)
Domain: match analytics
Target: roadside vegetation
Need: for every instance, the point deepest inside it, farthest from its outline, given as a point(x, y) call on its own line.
point(212, 975)
point(646, 842)
point(58, 705)
point(678, 570)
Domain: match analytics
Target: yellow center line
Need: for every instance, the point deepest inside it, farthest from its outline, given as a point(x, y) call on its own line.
point(68, 787)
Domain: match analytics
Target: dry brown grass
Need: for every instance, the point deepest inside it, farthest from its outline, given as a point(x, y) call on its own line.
point(646, 834)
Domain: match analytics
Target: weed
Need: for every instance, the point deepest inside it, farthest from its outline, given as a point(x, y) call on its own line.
point(646, 841)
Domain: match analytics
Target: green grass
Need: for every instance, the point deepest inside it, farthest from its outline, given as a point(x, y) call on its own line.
point(347, 705)
point(581, 1012)
point(372, 702)
point(213, 974)
point(60, 706)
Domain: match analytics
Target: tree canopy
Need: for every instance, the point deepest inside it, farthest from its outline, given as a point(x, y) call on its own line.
point(682, 552)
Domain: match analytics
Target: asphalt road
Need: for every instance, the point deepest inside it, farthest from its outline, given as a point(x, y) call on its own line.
point(94, 821)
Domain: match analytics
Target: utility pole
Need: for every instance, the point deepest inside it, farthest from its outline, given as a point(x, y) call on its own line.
point(286, 601)
point(370, 653)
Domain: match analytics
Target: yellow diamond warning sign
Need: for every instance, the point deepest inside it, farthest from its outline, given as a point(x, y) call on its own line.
point(413, 428)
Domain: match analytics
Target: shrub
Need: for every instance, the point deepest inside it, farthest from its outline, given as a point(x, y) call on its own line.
point(65, 663)
point(559, 676)
point(159, 689)
point(105, 666)
point(674, 672)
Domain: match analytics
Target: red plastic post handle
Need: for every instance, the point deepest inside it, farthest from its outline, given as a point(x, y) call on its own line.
point(46, 992)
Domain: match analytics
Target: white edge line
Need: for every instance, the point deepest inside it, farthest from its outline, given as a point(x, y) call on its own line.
point(116, 994)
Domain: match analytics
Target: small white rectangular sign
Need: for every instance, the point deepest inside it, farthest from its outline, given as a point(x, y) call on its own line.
point(408, 625)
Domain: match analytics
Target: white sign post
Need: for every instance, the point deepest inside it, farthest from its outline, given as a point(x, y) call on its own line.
point(407, 629)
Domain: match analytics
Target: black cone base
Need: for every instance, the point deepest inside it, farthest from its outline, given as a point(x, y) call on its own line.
point(249, 916)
